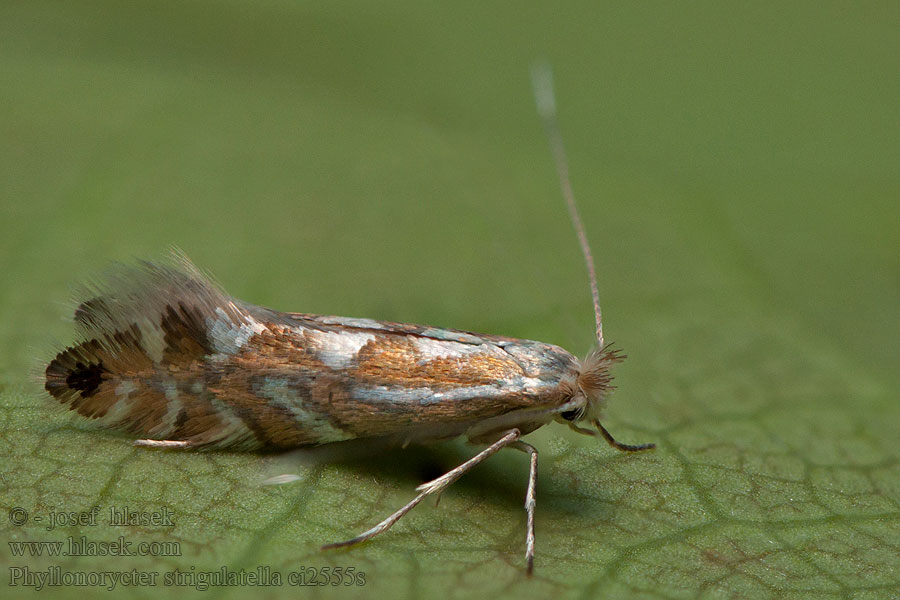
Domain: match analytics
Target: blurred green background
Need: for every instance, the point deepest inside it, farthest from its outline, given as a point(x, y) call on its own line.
point(737, 169)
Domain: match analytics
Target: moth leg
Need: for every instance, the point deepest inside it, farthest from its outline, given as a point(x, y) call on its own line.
point(435, 486)
point(530, 501)
point(164, 444)
point(609, 438)
point(619, 445)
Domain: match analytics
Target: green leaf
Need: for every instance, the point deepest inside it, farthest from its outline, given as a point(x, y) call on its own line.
point(737, 171)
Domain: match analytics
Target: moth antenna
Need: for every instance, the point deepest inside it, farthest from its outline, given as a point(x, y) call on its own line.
point(545, 98)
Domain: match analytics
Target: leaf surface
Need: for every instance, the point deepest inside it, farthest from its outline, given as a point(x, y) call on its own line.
point(737, 173)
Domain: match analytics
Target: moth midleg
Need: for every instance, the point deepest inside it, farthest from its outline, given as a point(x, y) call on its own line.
point(435, 486)
point(530, 501)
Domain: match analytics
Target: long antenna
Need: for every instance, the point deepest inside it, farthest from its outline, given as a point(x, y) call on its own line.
point(544, 97)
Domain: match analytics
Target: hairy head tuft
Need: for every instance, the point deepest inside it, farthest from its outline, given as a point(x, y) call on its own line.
point(594, 379)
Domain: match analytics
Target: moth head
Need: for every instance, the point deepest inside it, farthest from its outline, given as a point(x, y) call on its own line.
point(585, 389)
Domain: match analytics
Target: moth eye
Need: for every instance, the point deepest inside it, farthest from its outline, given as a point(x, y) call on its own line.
point(570, 415)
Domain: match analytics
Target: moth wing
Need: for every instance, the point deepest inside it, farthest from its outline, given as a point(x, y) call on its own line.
point(144, 332)
point(422, 383)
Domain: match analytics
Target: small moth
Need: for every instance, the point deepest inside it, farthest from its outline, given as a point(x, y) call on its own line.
point(168, 356)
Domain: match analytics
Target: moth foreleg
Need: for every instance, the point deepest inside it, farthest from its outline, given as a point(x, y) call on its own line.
point(164, 444)
point(530, 501)
point(435, 486)
point(619, 445)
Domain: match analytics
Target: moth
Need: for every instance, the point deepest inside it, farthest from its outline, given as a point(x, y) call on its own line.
point(168, 356)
